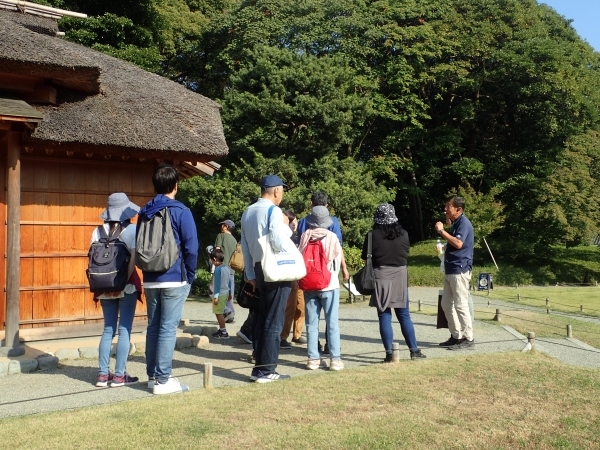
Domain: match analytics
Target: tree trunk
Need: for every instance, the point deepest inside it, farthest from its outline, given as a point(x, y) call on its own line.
point(416, 210)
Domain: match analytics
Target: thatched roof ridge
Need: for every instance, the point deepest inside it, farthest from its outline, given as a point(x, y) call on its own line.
point(37, 54)
point(134, 109)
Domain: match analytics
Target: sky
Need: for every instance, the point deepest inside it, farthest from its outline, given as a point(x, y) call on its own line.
point(585, 15)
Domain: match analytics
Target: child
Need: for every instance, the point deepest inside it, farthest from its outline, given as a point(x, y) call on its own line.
point(222, 291)
point(226, 242)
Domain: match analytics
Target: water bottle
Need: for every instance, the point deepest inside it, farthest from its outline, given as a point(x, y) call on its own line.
point(439, 247)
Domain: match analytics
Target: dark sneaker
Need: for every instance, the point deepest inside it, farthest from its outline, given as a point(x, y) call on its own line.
point(272, 377)
point(417, 355)
point(449, 343)
point(301, 340)
point(285, 345)
point(243, 337)
point(388, 358)
point(104, 379)
point(229, 317)
point(123, 380)
point(463, 343)
point(220, 334)
point(256, 374)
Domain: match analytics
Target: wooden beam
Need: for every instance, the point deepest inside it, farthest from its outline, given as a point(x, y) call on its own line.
point(22, 83)
point(13, 240)
point(44, 95)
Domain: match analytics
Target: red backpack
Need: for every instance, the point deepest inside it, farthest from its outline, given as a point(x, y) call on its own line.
point(318, 275)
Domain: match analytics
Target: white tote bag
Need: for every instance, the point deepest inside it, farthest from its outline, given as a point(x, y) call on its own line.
point(286, 265)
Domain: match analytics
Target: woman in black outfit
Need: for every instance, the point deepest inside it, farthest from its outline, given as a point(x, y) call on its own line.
point(390, 247)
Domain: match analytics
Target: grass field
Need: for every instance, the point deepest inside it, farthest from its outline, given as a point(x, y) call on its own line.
point(510, 400)
point(557, 265)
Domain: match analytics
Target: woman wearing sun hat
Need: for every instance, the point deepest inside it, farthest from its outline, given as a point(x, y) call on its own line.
point(390, 247)
point(118, 305)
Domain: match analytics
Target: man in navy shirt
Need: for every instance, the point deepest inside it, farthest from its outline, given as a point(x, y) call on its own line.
point(458, 265)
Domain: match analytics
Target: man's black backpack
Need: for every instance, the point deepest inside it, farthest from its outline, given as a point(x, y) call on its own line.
point(108, 261)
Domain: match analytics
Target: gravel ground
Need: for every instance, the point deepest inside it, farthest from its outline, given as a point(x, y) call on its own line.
point(71, 385)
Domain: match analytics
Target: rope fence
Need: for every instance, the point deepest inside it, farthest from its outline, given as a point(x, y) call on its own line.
point(498, 318)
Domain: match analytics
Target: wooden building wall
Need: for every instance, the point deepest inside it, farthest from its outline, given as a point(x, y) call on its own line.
point(61, 200)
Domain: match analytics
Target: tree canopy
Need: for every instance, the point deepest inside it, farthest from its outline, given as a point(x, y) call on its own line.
point(391, 100)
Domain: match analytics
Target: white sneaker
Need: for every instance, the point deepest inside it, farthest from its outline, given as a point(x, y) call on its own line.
point(313, 364)
point(172, 386)
point(336, 364)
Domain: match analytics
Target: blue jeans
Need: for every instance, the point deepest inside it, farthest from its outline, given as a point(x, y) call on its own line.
point(111, 309)
point(165, 307)
point(270, 315)
point(406, 325)
point(329, 301)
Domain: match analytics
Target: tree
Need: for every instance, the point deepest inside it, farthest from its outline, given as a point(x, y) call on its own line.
point(152, 34)
point(353, 193)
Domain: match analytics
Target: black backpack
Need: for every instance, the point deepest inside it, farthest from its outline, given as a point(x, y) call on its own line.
point(108, 261)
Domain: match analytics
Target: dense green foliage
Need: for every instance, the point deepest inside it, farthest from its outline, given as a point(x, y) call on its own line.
point(392, 100)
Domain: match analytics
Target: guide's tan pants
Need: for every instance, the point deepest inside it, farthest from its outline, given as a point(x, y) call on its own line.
point(455, 303)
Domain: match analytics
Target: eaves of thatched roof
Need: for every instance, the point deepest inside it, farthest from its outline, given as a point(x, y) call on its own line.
point(106, 104)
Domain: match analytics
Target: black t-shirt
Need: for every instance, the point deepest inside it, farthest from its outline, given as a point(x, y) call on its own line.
point(388, 252)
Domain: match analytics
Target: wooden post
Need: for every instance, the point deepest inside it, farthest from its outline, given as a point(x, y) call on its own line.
point(531, 339)
point(13, 246)
point(488, 303)
point(581, 308)
point(208, 372)
point(395, 352)
point(547, 301)
point(518, 297)
point(498, 316)
point(569, 331)
point(419, 303)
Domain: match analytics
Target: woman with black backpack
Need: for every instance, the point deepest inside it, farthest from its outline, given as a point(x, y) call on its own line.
point(117, 236)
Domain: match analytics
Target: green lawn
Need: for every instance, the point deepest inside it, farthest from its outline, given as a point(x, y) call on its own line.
point(557, 265)
point(510, 400)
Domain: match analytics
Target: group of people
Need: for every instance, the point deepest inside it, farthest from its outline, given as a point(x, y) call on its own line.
point(281, 305)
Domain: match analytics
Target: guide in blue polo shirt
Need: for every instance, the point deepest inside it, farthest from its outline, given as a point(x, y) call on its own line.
point(458, 264)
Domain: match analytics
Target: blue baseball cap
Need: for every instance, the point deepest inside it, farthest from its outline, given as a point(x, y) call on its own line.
point(272, 181)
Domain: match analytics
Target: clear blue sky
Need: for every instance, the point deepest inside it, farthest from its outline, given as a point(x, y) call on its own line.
point(585, 15)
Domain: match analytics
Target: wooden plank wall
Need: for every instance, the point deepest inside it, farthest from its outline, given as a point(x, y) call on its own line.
point(3, 236)
point(61, 200)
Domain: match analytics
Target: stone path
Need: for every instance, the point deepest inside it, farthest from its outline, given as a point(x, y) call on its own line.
point(71, 384)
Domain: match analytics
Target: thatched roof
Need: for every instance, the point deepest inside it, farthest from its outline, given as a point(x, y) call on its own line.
point(105, 103)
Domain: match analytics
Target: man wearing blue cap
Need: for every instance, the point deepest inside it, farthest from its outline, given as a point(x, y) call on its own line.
point(272, 296)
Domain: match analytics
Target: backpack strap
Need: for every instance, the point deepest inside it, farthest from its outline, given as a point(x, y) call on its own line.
point(105, 238)
point(269, 217)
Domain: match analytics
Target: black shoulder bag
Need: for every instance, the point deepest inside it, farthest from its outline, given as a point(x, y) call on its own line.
point(364, 279)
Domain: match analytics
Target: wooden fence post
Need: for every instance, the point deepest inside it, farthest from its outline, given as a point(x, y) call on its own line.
point(419, 303)
point(569, 331)
point(395, 352)
point(531, 339)
point(208, 372)
point(498, 316)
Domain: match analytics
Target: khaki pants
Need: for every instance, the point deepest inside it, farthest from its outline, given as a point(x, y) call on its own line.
point(294, 314)
point(455, 303)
